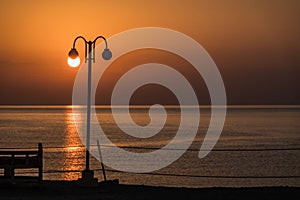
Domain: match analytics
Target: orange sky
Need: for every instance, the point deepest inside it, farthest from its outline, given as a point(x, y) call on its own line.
point(255, 44)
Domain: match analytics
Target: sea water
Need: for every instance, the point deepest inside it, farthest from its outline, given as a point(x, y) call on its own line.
point(259, 146)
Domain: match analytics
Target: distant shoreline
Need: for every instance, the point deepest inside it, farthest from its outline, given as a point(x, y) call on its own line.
point(292, 106)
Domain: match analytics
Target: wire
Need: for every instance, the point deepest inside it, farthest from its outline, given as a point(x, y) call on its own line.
point(163, 174)
point(155, 148)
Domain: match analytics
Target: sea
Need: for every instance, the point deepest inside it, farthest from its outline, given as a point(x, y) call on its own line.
point(259, 146)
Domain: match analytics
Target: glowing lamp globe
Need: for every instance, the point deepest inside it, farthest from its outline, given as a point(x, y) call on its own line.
point(73, 59)
point(73, 62)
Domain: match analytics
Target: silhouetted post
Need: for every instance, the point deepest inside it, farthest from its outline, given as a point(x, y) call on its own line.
point(40, 161)
point(101, 160)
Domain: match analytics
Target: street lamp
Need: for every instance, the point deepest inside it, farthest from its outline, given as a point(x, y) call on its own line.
point(74, 61)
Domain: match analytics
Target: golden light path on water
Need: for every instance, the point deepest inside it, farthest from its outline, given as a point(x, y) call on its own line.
point(72, 155)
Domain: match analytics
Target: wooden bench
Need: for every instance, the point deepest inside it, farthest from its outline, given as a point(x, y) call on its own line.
point(20, 159)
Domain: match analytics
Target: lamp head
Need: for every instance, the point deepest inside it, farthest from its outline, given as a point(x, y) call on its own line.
point(106, 54)
point(73, 59)
point(73, 53)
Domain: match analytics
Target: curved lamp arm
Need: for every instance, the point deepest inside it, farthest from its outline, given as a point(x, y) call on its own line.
point(77, 39)
point(94, 44)
point(85, 43)
point(101, 38)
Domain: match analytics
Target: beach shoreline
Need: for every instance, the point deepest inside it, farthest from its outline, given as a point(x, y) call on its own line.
point(72, 190)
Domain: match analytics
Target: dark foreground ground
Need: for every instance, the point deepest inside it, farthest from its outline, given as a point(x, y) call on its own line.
point(57, 190)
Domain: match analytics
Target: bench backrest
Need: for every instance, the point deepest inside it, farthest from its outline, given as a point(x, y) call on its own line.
point(23, 159)
point(19, 159)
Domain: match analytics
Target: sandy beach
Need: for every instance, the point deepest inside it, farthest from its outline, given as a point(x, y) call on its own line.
point(71, 190)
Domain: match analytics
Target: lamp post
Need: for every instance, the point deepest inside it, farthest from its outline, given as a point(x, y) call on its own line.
point(74, 61)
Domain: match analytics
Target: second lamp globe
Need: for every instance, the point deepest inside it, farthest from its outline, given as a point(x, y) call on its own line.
point(106, 54)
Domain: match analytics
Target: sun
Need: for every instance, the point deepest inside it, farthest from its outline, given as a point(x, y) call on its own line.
point(73, 62)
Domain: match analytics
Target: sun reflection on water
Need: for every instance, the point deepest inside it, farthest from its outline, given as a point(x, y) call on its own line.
point(73, 154)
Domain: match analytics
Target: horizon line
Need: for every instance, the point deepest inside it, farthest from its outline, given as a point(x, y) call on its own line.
point(68, 106)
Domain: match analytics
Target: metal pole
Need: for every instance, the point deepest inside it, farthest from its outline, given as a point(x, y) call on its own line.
point(88, 112)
